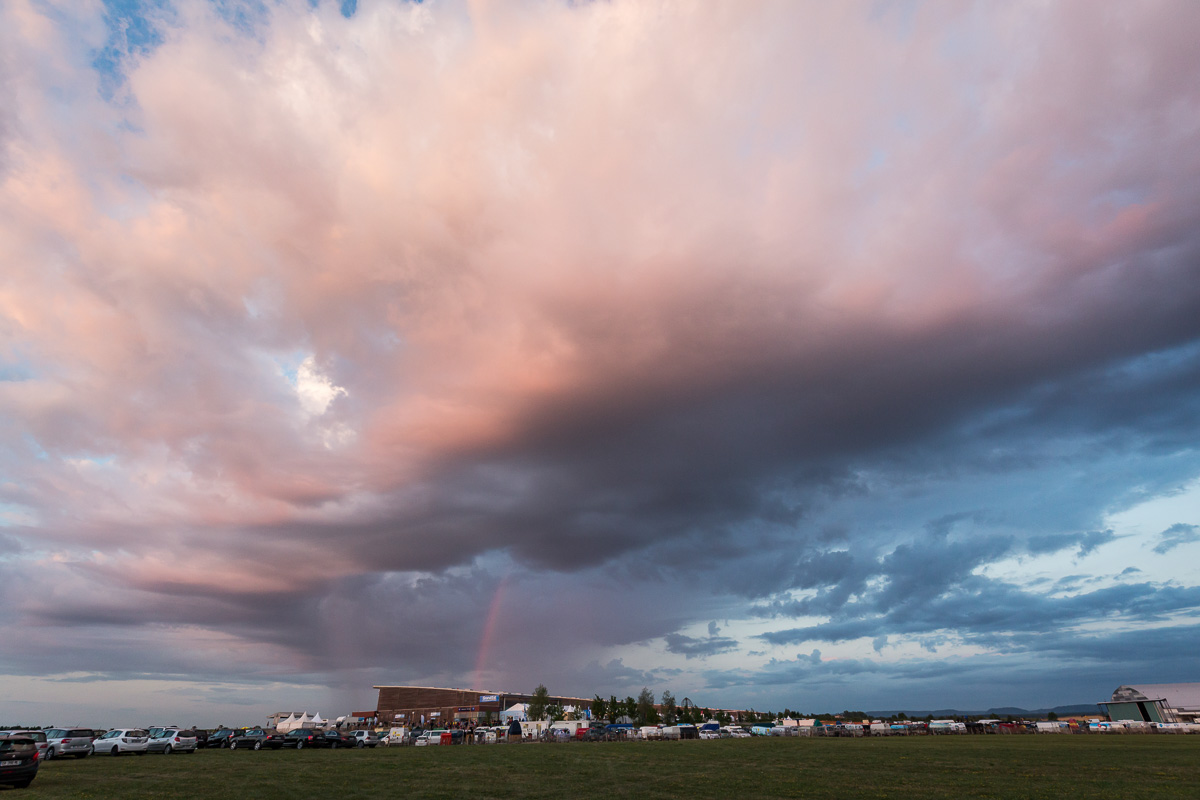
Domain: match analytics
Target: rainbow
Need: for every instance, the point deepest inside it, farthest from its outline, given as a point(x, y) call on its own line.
point(489, 631)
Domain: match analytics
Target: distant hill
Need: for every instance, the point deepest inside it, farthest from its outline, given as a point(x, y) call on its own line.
point(1085, 709)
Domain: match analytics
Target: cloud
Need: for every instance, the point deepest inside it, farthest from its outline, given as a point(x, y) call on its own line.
point(691, 647)
point(1178, 534)
point(321, 332)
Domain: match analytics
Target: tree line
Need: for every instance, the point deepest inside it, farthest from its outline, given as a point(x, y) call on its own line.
point(644, 710)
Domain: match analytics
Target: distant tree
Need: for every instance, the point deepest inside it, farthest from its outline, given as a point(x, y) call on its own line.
point(538, 703)
point(599, 708)
point(646, 712)
point(1052, 717)
point(902, 716)
point(631, 708)
point(669, 708)
point(614, 708)
point(555, 712)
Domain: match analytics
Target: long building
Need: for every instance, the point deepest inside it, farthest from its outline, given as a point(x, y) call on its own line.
point(1155, 702)
point(420, 705)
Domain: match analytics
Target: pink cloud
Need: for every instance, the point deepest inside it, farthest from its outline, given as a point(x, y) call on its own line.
point(479, 224)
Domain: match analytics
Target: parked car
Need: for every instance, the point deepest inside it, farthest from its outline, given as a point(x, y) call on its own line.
point(173, 740)
point(333, 739)
point(123, 740)
point(300, 739)
point(201, 737)
point(38, 736)
point(430, 737)
point(68, 742)
point(19, 759)
point(255, 739)
point(220, 737)
point(364, 738)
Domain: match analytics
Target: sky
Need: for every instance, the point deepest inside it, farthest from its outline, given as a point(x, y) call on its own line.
point(799, 355)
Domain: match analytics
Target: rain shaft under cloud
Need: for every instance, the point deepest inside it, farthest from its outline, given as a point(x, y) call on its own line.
point(729, 349)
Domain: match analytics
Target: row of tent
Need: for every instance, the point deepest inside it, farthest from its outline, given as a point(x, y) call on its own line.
point(292, 722)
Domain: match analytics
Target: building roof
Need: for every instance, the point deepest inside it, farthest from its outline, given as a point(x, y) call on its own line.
point(1182, 696)
point(441, 689)
point(482, 692)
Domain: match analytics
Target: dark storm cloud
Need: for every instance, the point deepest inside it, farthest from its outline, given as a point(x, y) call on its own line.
point(573, 495)
point(693, 647)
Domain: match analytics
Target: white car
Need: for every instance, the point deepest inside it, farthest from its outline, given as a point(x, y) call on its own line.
point(123, 740)
point(430, 738)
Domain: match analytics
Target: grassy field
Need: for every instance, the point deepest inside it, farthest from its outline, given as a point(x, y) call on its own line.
point(919, 767)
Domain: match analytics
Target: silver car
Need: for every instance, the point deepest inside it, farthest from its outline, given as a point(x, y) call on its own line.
point(365, 738)
point(123, 740)
point(69, 742)
point(173, 740)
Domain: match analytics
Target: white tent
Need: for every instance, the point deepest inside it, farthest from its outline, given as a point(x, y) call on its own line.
point(287, 724)
point(317, 721)
point(515, 711)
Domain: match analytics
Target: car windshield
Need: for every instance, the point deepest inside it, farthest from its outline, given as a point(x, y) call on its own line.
point(19, 746)
point(161, 735)
point(80, 733)
point(55, 733)
point(111, 735)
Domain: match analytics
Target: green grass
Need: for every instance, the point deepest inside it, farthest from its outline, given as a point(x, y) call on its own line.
point(915, 768)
